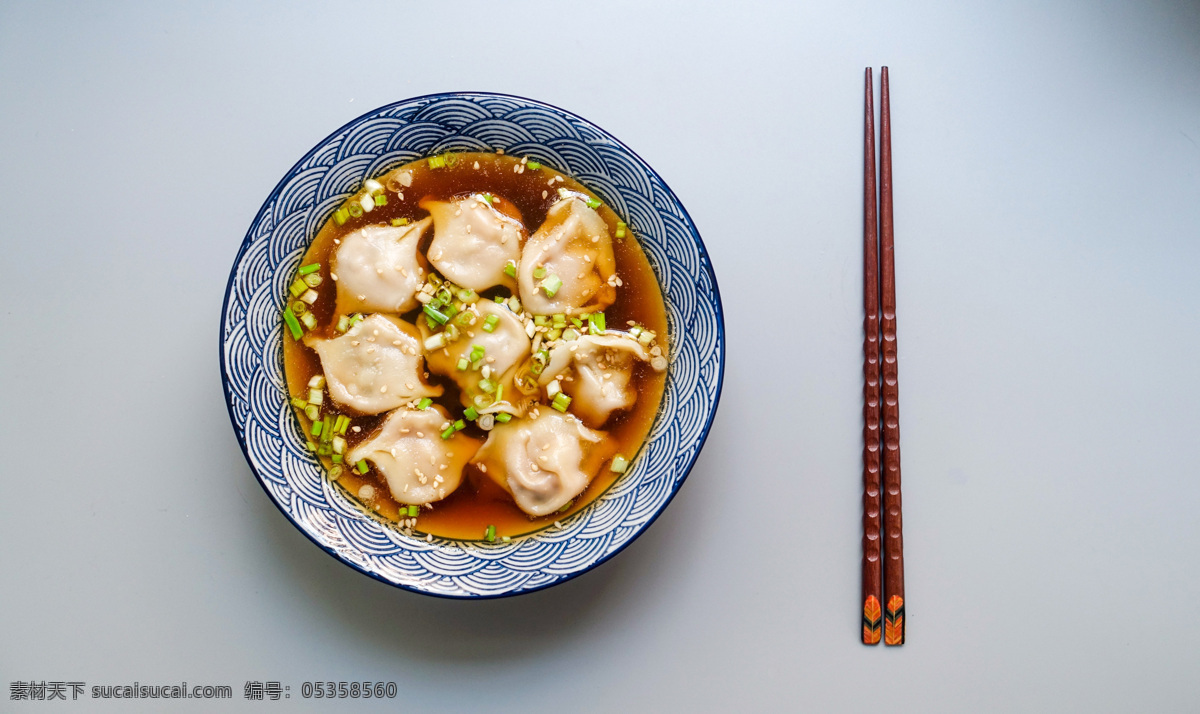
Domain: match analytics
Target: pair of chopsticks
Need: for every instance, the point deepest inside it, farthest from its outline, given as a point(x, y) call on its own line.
point(883, 558)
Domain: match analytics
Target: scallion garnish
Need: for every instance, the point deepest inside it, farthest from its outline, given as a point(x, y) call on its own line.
point(342, 423)
point(343, 323)
point(539, 273)
point(470, 413)
point(313, 280)
point(309, 320)
point(324, 449)
point(381, 199)
point(540, 320)
point(316, 396)
point(355, 319)
point(554, 334)
point(437, 162)
point(620, 464)
point(413, 511)
point(317, 382)
point(486, 385)
point(298, 307)
point(459, 425)
point(560, 320)
point(339, 445)
point(355, 209)
point(570, 334)
point(487, 197)
point(621, 229)
point(490, 535)
point(489, 325)
point(340, 216)
point(477, 354)
point(299, 403)
point(533, 165)
point(504, 417)
point(399, 222)
point(510, 269)
point(310, 268)
point(297, 288)
point(576, 322)
point(316, 427)
point(434, 315)
point(337, 459)
point(567, 506)
point(310, 446)
point(313, 412)
point(467, 295)
point(551, 285)
point(424, 403)
point(593, 203)
point(463, 364)
point(561, 402)
point(293, 325)
point(449, 432)
point(361, 466)
point(596, 323)
point(310, 296)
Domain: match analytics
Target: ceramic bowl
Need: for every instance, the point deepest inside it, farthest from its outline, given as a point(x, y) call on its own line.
point(252, 338)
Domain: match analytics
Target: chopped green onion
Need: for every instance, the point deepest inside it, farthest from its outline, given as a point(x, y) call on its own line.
point(620, 464)
point(471, 414)
point(432, 314)
point(355, 209)
point(435, 341)
point(424, 403)
point(310, 268)
point(551, 285)
point(313, 412)
point(561, 401)
point(444, 295)
point(576, 322)
point(554, 334)
point(298, 307)
point(309, 320)
point(343, 323)
point(504, 417)
point(327, 430)
point(489, 325)
point(316, 427)
point(297, 288)
point(339, 445)
point(340, 216)
point(560, 320)
point(506, 539)
point(467, 295)
point(313, 280)
point(563, 193)
point(539, 273)
point(299, 403)
point(570, 334)
point(463, 364)
point(621, 229)
point(309, 296)
point(487, 197)
point(450, 158)
point(596, 323)
point(536, 368)
point(310, 446)
point(646, 337)
point(342, 423)
point(486, 385)
point(451, 333)
point(567, 506)
point(540, 320)
point(635, 330)
point(315, 396)
point(399, 222)
point(514, 304)
point(317, 382)
point(337, 459)
point(499, 299)
point(361, 466)
point(459, 425)
point(464, 318)
point(381, 199)
point(541, 356)
point(534, 165)
point(449, 432)
point(355, 319)
point(413, 511)
point(554, 387)
point(511, 269)
point(436, 162)
point(294, 326)
point(593, 203)
point(324, 450)
point(490, 535)
point(477, 354)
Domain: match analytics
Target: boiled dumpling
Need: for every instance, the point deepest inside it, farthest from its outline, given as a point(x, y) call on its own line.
point(376, 366)
point(504, 349)
point(544, 461)
point(595, 371)
point(473, 241)
point(378, 270)
point(420, 467)
point(570, 256)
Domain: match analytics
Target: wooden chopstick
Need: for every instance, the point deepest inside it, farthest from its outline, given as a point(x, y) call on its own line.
point(893, 548)
point(872, 585)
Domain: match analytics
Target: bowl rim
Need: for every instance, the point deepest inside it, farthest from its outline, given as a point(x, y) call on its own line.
point(240, 435)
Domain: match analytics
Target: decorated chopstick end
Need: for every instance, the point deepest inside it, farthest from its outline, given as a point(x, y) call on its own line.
point(872, 621)
point(893, 624)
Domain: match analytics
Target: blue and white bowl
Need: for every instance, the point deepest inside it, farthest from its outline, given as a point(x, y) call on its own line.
point(252, 340)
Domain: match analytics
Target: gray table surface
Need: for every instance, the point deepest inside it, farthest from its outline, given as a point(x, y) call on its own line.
point(1047, 175)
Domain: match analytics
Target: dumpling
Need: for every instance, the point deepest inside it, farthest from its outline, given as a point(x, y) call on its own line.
point(567, 265)
point(599, 368)
point(376, 366)
point(378, 270)
point(544, 461)
point(473, 241)
point(420, 467)
point(504, 350)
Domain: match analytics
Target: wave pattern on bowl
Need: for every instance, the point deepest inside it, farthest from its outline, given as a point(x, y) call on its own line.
point(252, 360)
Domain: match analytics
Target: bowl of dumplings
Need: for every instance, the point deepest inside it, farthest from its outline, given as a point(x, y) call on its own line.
point(472, 345)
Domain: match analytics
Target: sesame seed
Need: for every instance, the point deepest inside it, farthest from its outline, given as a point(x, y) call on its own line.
point(483, 468)
point(545, 193)
point(397, 342)
point(477, 164)
point(334, 276)
point(420, 435)
point(408, 385)
point(362, 297)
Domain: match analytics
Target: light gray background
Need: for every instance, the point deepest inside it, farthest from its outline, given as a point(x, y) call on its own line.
point(1047, 186)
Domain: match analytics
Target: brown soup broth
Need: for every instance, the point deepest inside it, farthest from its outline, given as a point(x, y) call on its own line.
point(478, 502)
